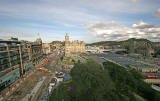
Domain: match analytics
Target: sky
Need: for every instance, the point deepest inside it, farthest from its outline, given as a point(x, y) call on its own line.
point(87, 20)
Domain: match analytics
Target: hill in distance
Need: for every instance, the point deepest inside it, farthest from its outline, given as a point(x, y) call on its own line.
point(133, 45)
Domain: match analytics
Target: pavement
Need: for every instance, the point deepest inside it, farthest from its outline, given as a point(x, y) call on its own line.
point(30, 85)
point(34, 92)
point(53, 65)
point(26, 87)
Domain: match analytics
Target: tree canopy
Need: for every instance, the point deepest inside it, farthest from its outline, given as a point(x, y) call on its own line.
point(58, 42)
point(129, 81)
point(92, 82)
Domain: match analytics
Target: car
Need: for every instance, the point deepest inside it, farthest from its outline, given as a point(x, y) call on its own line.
point(60, 74)
point(52, 83)
point(59, 79)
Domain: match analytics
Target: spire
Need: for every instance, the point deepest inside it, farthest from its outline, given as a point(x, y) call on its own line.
point(66, 34)
point(38, 36)
point(39, 39)
point(66, 37)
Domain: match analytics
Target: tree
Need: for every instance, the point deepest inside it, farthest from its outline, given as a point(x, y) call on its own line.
point(129, 80)
point(90, 82)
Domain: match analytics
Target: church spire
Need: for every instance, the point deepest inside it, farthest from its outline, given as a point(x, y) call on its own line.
point(66, 37)
point(38, 36)
point(39, 41)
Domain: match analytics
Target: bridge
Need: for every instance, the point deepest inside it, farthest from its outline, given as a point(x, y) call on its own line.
point(104, 50)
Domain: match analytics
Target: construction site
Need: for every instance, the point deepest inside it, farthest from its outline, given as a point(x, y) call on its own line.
point(25, 72)
point(33, 85)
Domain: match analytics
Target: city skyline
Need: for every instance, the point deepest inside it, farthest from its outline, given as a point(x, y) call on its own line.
point(90, 21)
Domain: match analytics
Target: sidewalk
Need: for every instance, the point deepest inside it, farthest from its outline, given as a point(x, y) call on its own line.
point(14, 86)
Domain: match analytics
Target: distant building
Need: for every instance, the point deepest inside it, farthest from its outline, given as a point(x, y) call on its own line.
point(73, 47)
point(48, 48)
point(107, 47)
point(58, 45)
point(95, 49)
point(35, 51)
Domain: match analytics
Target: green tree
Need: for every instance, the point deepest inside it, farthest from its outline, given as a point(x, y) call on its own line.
point(91, 82)
point(129, 80)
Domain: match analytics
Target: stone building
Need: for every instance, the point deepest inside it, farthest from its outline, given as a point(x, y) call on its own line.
point(74, 46)
point(35, 51)
point(48, 48)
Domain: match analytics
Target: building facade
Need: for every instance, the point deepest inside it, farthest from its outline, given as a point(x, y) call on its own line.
point(35, 51)
point(14, 61)
point(48, 48)
point(74, 46)
point(16, 58)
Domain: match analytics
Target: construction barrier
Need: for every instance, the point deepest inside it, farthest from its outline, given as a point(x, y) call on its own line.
point(1, 97)
point(10, 91)
point(13, 88)
point(4, 95)
point(30, 98)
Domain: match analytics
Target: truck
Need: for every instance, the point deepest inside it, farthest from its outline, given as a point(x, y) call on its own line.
point(151, 77)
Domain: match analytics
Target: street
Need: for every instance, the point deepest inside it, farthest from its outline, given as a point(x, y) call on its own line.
point(26, 88)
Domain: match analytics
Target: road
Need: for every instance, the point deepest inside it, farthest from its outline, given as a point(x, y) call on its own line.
point(26, 87)
point(53, 65)
point(30, 83)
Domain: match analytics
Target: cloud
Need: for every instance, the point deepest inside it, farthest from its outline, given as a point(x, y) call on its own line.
point(135, 0)
point(7, 33)
point(117, 31)
point(157, 13)
point(70, 15)
point(71, 10)
point(31, 35)
point(47, 10)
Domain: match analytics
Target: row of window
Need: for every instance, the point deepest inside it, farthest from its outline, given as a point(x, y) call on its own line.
point(3, 48)
point(12, 47)
point(5, 66)
point(4, 61)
